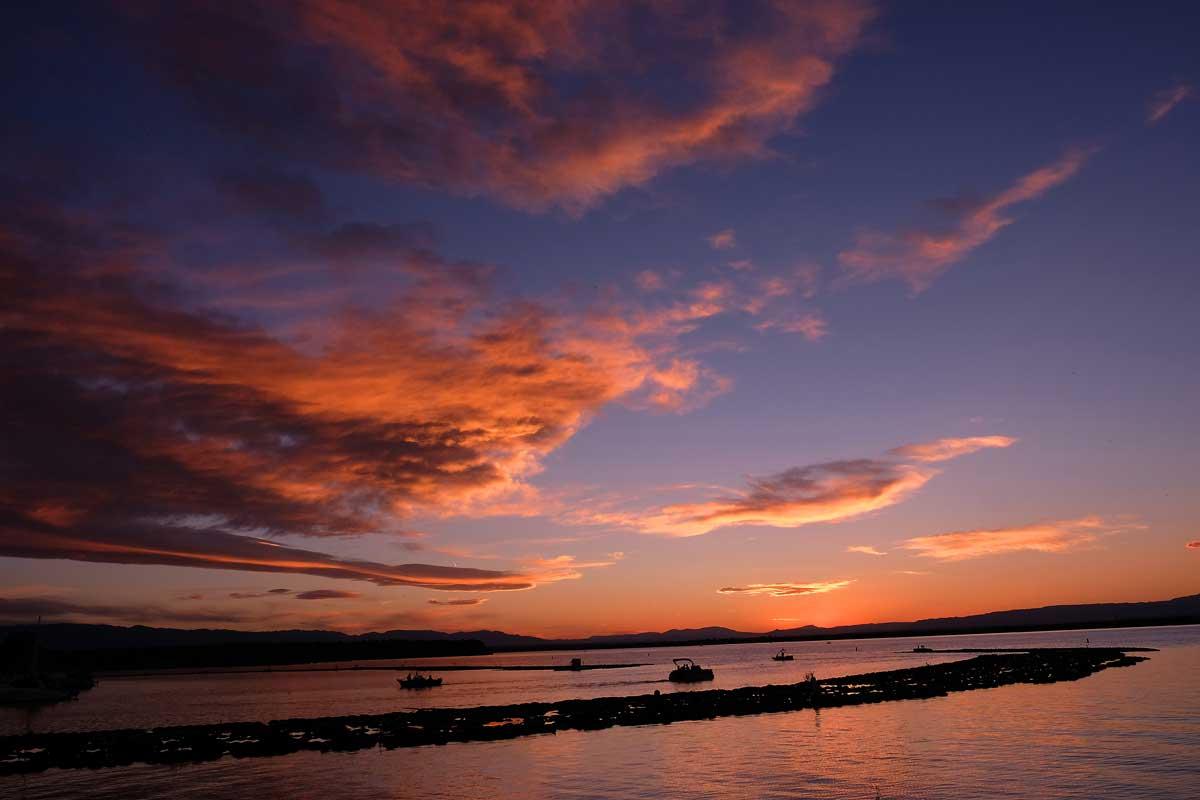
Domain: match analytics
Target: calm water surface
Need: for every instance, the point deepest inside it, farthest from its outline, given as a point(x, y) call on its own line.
point(1124, 733)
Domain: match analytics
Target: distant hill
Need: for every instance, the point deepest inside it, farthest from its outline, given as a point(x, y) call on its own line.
point(68, 636)
point(673, 635)
point(80, 637)
point(1185, 609)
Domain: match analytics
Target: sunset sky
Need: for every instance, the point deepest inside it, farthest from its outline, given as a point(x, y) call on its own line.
point(565, 317)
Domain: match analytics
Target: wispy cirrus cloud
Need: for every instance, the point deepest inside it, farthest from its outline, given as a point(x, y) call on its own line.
point(828, 492)
point(462, 601)
point(539, 103)
point(919, 255)
point(785, 589)
point(1043, 537)
point(1165, 101)
point(865, 549)
point(945, 449)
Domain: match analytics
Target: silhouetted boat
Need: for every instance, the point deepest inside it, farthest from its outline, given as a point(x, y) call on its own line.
point(688, 671)
point(418, 681)
point(922, 649)
point(782, 655)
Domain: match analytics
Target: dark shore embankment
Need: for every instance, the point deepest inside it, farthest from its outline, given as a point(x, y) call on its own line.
point(182, 744)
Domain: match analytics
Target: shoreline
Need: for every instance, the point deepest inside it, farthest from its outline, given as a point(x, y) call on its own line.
point(430, 662)
point(29, 753)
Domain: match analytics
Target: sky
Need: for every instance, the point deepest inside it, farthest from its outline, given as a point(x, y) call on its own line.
point(571, 317)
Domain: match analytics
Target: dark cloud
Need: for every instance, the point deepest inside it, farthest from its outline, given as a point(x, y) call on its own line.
point(327, 594)
point(20, 610)
point(27, 536)
point(466, 601)
point(273, 194)
point(354, 243)
point(256, 595)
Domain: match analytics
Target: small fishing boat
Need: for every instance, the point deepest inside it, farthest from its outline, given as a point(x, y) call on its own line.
point(783, 655)
point(688, 671)
point(922, 649)
point(418, 681)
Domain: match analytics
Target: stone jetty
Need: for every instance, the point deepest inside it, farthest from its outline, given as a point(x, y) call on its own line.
point(197, 743)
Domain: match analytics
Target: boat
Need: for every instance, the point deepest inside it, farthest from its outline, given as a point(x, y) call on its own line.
point(418, 681)
point(688, 671)
point(922, 649)
point(783, 655)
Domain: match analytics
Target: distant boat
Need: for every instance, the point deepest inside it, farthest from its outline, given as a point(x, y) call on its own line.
point(922, 649)
point(418, 681)
point(688, 671)
point(783, 655)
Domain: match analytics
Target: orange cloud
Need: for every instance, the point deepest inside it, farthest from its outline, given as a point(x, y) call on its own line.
point(918, 256)
point(944, 449)
point(196, 437)
point(537, 102)
point(463, 601)
point(1194, 545)
point(785, 589)
point(1165, 101)
point(564, 568)
point(1046, 537)
point(865, 549)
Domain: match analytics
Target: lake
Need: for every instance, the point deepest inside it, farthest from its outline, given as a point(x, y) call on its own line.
point(1128, 733)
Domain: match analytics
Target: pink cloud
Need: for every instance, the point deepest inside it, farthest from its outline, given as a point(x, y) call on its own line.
point(944, 449)
point(723, 240)
point(812, 327)
point(918, 256)
point(649, 281)
point(1165, 101)
point(828, 492)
